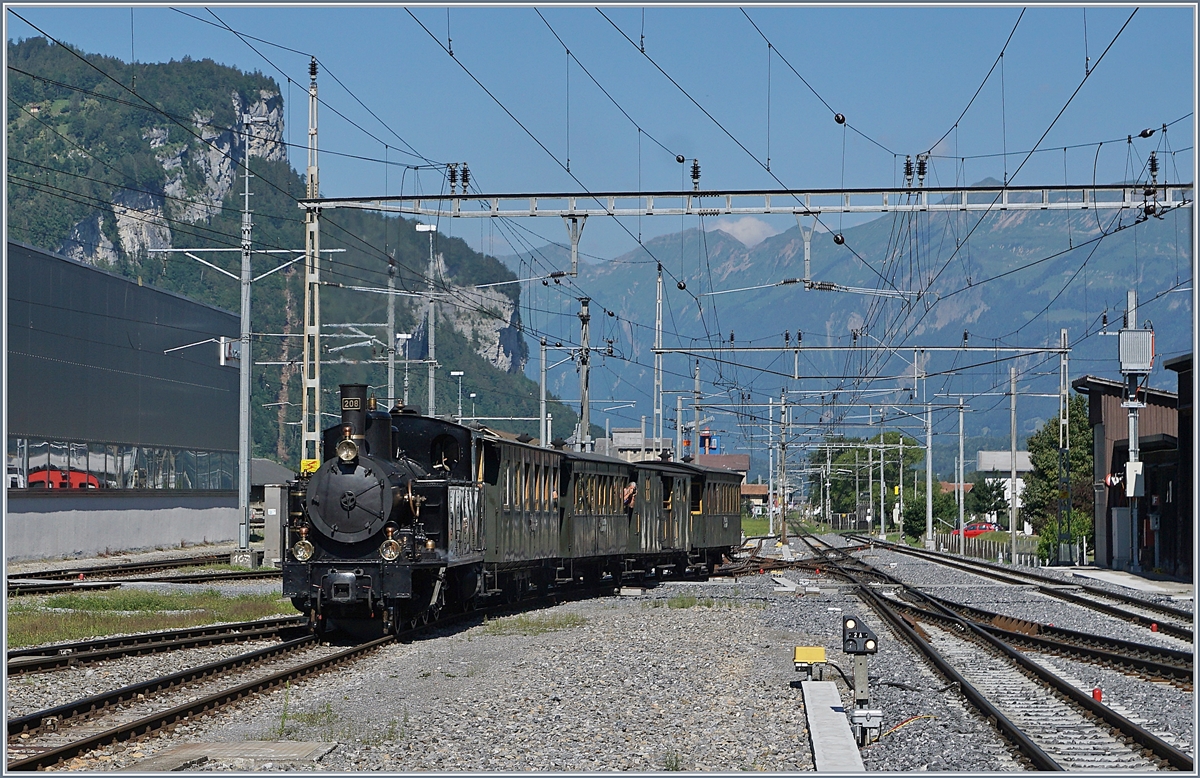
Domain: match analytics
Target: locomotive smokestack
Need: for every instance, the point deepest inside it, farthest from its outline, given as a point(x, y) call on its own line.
point(354, 408)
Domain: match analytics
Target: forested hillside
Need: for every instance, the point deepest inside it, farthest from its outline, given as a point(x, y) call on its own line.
point(108, 162)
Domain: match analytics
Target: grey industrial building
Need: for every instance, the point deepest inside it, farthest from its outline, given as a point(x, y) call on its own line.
point(113, 441)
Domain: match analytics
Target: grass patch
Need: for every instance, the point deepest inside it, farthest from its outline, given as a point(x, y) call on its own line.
point(317, 718)
point(682, 601)
point(64, 617)
point(525, 624)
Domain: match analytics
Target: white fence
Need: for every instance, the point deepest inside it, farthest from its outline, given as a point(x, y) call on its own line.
point(991, 550)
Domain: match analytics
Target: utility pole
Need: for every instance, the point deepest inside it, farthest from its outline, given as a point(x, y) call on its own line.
point(870, 469)
point(679, 426)
point(962, 489)
point(696, 415)
point(1012, 483)
point(310, 448)
point(770, 465)
point(431, 331)
point(782, 460)
point(542, 436)
point(828, 501)
point(244, 366)
point(928, 466)
point(1065, 549)
point(585, 353)
point(882, 484)
point(857, 493)
point(1136, 352)
point(658, 387)
point(391, 325)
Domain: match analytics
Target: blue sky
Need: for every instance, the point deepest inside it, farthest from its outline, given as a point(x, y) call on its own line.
point(901, 76)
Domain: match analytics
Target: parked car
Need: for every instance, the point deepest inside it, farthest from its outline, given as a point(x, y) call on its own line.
point(974, 530)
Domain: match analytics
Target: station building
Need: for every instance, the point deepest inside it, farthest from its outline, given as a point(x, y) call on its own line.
point(1164, 520)
point(114, 440)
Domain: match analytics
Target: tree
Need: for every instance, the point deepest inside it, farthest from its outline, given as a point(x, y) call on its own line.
point(986, 497)
point(1040, 499)
point(945, 510)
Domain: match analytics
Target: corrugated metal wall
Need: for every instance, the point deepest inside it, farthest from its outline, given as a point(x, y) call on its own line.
point(86, 361)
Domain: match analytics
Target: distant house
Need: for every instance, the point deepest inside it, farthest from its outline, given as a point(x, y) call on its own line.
point(739, 463)
point(997, 469)
point(756, 496)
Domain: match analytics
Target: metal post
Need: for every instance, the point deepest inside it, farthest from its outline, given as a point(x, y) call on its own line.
point(770, 465)
point(391, 325)
point(782, 464)
point(585, 353)
point(870, 469)
point(900, 484)
point(882, 484)
point(961, 486)
point(643, 456)
point(1063, 541)
point(696, 415)
point(658, 386)
point(857, 493)
point(244, 367)
point(574, 225)
point(928, 472)
point(828, 502)
point(407, 338)
point(545, 442)
point(459, 375)
point(431, 331)
point(1135, 565)
point(679, 426)
point(1012, 483)
point(311, 402)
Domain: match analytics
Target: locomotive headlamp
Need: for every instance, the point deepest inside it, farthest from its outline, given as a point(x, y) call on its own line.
point(303, 550)
point(389, 550)
point(347, 450)
point(429, 544)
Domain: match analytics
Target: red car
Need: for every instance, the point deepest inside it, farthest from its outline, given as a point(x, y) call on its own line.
point(973, 530)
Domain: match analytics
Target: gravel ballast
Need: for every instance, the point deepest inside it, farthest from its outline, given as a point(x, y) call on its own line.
point(631, 683)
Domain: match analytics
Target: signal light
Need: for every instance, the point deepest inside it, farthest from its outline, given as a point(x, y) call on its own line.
point(857, 638)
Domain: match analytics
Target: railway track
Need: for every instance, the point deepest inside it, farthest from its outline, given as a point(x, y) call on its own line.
point(126, 568)
point(45, 738)
point(1148, 661)
point(1175, 622)
point(1050, 721)
point(43, 658)
point(17, 588)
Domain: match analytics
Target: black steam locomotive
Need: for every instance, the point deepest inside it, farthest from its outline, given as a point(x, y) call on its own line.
point(409, 514)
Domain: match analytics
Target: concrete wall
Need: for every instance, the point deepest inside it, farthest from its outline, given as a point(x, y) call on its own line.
point(48, 526)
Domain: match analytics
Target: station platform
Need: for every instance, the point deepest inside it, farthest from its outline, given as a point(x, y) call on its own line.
point(1133, 581)
point(833, 747)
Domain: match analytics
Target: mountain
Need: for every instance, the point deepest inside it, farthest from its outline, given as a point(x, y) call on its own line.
point(1016, 280)
point(108, 161)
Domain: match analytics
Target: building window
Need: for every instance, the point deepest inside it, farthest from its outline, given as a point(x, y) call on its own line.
point(33, 463)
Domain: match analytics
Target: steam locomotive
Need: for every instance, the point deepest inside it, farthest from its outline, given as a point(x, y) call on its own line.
point(409, 514)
